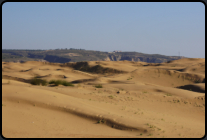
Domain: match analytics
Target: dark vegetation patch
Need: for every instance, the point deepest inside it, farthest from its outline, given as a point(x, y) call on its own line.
point(82, 80)
point(98, 69)
point(152, 64)
point(37, 81)
point(60, 82)
point(98, 86)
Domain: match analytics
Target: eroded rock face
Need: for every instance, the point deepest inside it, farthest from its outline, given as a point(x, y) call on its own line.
point(148, 59)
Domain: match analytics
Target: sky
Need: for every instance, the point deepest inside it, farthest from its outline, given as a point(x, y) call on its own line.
point(167, 28)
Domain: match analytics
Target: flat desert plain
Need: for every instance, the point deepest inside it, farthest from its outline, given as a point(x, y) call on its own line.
point(147, 100)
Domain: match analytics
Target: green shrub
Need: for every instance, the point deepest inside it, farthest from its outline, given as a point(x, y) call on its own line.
point(197, 81)
point(65, 83)
point(52, 82)
point(103, 121)
point(55, 82)
point(111, 96)
point(60, 82)
point(168, 94)
point(44, 82)
point(37, 81)
point(98, 86)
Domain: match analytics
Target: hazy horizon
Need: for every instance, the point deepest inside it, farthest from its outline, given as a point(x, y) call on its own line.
point(165, 28)
point(88, 50)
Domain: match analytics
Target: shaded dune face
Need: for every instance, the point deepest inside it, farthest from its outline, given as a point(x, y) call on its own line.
point(194, 87)
point(112, 98)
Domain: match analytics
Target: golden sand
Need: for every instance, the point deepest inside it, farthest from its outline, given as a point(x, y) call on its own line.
point(143, 102)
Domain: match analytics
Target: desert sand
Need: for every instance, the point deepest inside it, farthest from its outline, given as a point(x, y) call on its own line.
point(148, 100)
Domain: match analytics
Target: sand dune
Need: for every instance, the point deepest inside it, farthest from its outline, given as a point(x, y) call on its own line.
point(146, 100)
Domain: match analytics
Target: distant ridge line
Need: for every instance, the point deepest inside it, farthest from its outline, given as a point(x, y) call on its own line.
point(79, 55)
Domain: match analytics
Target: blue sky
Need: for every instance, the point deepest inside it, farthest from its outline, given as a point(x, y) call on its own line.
point(146, 27)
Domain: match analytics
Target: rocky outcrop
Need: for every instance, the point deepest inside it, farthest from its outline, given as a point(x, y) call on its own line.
point(149, 59)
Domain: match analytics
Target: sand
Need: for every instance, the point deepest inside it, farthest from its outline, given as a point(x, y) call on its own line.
point(147, 101)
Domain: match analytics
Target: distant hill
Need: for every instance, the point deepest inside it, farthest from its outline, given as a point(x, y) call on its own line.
point(78, 55)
